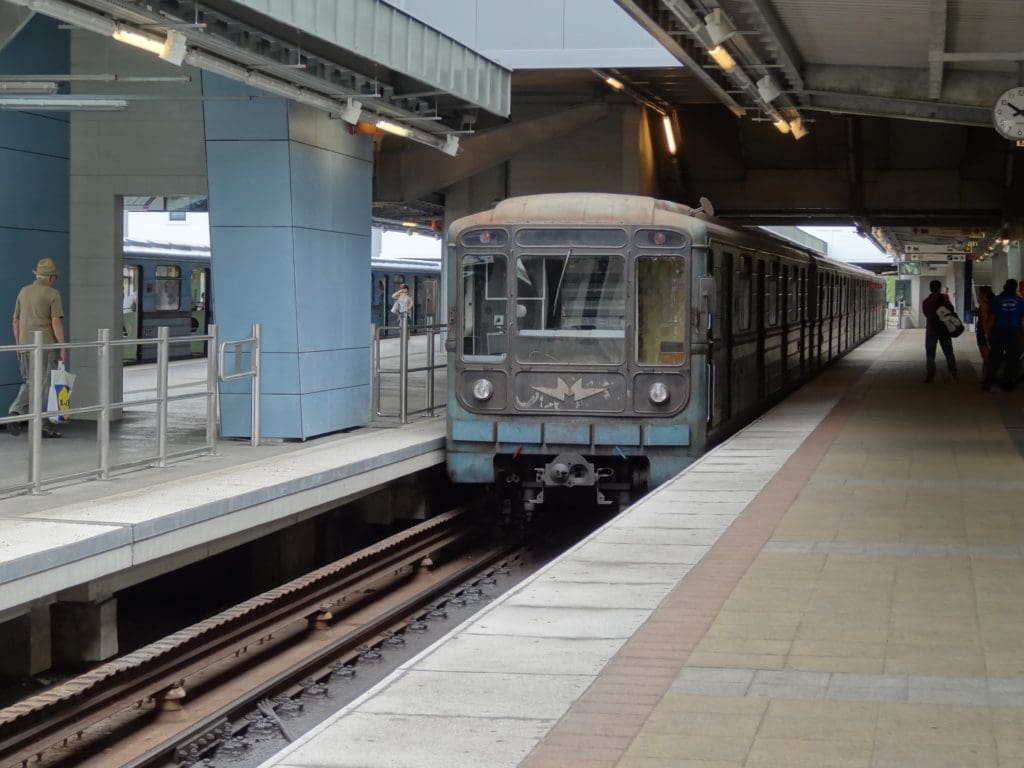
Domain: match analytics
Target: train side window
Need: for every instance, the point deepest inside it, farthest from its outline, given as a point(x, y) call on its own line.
point(661, 308)
point(771, 295)
point(130, 288)
point(483, 307)
point(744, 293)
point(168, 288)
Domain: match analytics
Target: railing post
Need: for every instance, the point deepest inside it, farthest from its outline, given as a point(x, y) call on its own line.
point(374, 372)
point(35, 435)
point(430, 370)
point(403, 371)
point(254, 360)
point(103, 424)
point(212, 389)
point(163, 356)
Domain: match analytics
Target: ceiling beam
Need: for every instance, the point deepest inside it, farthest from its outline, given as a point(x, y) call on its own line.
point(771, 28)
point(936, 45)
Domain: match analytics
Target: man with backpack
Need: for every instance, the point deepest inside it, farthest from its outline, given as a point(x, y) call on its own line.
point(1008, 313)
point(936, 331)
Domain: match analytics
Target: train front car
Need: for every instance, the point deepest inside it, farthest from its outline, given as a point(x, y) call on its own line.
point(571, 360)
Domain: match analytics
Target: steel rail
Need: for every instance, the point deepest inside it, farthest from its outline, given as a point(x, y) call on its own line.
point(316, 665)
point(30, 727)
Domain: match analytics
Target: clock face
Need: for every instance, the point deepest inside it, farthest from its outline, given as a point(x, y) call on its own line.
point(1008, 113)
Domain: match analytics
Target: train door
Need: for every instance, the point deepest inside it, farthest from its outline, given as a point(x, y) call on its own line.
point(199, 290)
point(788, 278)
point(131, 279)
point(761, 304)
point(720, 268)
point(379, 305)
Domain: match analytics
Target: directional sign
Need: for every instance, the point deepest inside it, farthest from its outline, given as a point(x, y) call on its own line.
point(956, 257)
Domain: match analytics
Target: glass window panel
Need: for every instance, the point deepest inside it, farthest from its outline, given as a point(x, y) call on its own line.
point(771, 295)
point(168, 288)
point(661, 310)
point(570, 309)
point(610, 238)
point(483, 312)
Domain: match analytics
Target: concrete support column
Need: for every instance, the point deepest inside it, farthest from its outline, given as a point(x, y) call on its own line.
point(1015, 260)
point(290, 216)
point(25, 643)
point(84, 632)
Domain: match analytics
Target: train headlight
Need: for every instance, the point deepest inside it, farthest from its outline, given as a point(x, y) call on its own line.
point(482, 390)
point(658, 393)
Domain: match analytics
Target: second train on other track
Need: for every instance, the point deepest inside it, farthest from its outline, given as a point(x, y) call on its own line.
point(600, 343)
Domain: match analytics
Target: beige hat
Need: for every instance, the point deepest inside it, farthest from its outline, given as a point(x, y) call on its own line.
point(46, 268)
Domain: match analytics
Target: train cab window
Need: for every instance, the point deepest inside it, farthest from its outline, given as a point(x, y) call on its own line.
point(168, 288)
point(772, 287)
point(484, 306)
point(130, 278)
point(570, 308)
point(661, 309)
point(744, 293)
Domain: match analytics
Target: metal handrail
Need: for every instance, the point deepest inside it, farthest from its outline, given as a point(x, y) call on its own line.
point(403, 369)
point(253, 372)
point(36, 415)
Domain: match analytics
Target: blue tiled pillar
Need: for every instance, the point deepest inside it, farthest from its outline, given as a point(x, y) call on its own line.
point(34, 152)
point(290, 204)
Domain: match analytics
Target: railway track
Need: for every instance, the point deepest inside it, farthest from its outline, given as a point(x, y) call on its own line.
point(273, 644)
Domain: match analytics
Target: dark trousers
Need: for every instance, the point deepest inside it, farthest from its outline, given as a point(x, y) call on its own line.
point(1005, 344)
point(930, 339)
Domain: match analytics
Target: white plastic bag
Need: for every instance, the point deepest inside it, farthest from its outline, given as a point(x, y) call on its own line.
point(61, 384)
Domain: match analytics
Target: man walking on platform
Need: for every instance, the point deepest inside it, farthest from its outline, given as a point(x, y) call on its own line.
point(37, 308)
point(1008, 313)
point(936, 332)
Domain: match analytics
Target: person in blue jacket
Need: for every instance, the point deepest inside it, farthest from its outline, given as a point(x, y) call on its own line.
point(1008, 314)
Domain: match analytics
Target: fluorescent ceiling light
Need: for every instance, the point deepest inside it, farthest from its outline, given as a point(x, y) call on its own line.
point(670, 136)
point(28, 86)
point(722, 58)
point(139, 40)
point(797, 127)
point(616, 84)
point(61, 103)
point(781, 124)
point(395, 128)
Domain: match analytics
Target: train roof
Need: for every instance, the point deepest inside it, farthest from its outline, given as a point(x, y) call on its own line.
point(616, 209)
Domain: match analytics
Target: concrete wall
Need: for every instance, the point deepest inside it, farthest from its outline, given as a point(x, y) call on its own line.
point(33, 184)
point(154, 147)
point(544, 34)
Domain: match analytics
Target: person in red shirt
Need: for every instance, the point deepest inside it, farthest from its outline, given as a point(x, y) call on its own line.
point(936, 333)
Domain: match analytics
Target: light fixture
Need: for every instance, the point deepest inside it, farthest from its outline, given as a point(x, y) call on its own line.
point(670, 137)
point(61, 104)
point(781, 124)
point(719, 28)
point(722, 58)
point(616, 84)
point(768, 89)
point(139, 40)
point(351, 112)
point(410, 224)
point(797, 127)
point(28, 86)
point(174, 48)
point(395, 128)
point(451, 145)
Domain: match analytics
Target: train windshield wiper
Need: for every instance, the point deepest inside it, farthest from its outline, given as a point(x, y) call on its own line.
point(561, 276)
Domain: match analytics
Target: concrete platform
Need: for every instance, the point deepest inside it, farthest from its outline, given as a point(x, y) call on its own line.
point(153, 520)
point(838, 585)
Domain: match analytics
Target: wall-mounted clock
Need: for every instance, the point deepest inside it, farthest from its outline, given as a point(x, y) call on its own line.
point(1008, 113)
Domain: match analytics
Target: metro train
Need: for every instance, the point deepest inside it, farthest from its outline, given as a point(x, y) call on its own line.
point(600, 343)
point(169, 285)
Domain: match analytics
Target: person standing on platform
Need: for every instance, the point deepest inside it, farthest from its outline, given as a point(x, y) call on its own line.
point(983, 323)
point(37, 308)
point(403, 302)
point(936, 333)
point(1008, 312)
